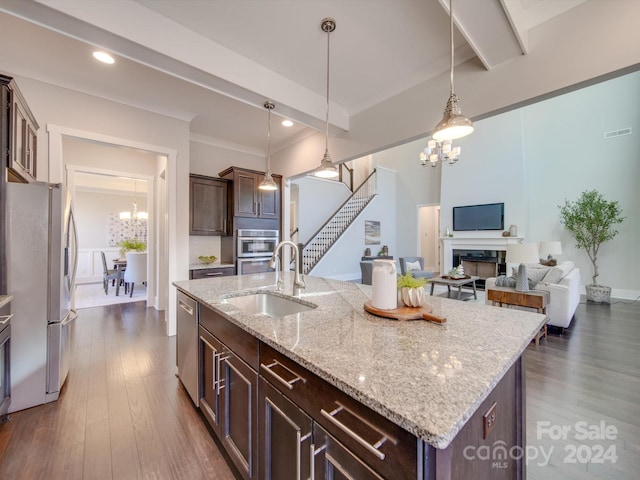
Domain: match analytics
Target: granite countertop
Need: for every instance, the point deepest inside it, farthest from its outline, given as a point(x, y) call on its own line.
point(202, 266)
point(425, 377)
point(4, 299)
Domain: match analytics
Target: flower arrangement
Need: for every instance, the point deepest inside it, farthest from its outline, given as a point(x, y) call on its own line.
point(129, 244)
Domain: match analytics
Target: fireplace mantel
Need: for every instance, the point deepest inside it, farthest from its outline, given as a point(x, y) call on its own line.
point(472, 243)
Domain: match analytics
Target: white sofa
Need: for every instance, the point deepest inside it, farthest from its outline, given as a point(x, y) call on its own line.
point(564, 292)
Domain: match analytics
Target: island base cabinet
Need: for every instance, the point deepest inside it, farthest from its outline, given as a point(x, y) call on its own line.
point(285, 437)
point(491, 444)
point(228, 400)
point(333, 461)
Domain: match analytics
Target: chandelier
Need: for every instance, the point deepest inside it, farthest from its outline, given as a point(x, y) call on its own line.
point(134, 217)
point(327, 169)
point(453, 124)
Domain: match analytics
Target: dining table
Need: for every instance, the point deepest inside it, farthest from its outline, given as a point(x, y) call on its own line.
point(119, 265)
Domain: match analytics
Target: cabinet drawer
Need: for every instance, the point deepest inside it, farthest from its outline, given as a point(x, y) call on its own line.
point(211, 272)
point(243, 344)
point(383, 445)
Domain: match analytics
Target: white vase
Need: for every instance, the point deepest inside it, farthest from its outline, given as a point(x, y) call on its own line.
point(384, 287)
point(598, 293)
point(413, 297)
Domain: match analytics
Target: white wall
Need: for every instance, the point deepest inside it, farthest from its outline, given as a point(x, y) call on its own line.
point(343, 260)
point(93, 211)
point(210, 160)
point(415, 185)
point(317, 199)
point(536, 157)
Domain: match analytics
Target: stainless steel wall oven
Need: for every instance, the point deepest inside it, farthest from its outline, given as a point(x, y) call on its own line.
point(254, 249)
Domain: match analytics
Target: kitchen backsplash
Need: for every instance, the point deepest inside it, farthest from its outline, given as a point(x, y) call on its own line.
point(203, 245)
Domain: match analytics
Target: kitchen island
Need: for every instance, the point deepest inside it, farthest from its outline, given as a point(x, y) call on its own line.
point(430, 380)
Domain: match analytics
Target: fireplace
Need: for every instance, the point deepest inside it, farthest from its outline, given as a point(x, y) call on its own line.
point(481, 256)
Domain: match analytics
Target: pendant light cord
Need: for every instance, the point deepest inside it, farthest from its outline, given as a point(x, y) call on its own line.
point(269, 142)
point(451, 39)
point(326, 133)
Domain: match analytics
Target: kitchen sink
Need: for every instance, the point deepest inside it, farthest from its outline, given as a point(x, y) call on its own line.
point(268, 304)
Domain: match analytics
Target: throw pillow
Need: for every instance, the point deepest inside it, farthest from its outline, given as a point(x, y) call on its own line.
point(535, 275)
point(554, 275)
point(413, 265)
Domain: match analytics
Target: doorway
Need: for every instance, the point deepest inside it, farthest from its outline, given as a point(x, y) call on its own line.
point(429, 236)
point(102, 202)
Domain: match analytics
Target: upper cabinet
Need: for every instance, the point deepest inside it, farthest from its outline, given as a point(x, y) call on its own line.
point(207, 205)
point(247, 199)
point(19, 140)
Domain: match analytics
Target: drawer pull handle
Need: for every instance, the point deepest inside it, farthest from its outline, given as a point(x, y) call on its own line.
point(331, 416)
point(214, 274)
point(6, 318)
point(186, 307)
point(286, 383)
point(219, 383)
point(312, 463)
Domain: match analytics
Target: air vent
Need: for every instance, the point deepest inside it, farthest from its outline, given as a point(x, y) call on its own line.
point(617, 133)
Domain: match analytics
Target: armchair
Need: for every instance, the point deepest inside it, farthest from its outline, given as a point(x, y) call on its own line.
point(412, 263)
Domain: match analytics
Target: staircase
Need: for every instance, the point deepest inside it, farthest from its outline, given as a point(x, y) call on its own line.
point(326, 236)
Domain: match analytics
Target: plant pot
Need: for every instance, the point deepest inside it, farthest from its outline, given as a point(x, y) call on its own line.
point(413, 297)
point(598, 293)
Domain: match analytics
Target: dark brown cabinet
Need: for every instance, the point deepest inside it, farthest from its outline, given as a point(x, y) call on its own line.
point(247, 199)
point(211, 272)
point(19, 142)
point(229, 388)
point(207, 206)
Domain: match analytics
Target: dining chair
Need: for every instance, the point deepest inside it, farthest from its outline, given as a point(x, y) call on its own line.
point(108, 274)
point(136, 271)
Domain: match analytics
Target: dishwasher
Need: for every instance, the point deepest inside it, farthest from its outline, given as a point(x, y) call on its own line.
point(187, 345)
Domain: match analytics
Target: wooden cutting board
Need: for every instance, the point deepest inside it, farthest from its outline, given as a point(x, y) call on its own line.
point(402, 312)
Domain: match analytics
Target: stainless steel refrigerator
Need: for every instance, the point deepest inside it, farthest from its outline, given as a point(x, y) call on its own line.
point(41, 263)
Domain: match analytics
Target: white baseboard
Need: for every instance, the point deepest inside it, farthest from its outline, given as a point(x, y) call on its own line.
point(618, 293)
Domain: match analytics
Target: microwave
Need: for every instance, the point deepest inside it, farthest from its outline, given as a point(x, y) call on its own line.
point(256, 243)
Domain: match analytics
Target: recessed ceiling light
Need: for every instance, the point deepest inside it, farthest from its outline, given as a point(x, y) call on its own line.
point(287, 123)
point(104, 57)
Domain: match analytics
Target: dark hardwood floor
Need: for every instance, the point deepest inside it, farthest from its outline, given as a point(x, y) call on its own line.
point(123, 414)
point(579, 380)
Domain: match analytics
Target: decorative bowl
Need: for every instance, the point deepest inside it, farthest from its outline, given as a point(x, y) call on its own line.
point(207, 259)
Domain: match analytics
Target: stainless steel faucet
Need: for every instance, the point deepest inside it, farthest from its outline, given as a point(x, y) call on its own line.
point(298, 279)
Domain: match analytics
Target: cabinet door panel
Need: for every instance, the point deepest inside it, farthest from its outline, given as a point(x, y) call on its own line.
point(285, 437)
point(210, 351)
point(239, 385)
point(269, 203)
point(208, 206)
point(19, 136)
point(245, 189)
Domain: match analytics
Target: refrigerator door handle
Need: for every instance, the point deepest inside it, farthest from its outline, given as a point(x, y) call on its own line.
point(72, 225)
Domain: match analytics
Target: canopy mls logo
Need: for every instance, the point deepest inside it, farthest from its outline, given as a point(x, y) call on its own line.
point(584, 450)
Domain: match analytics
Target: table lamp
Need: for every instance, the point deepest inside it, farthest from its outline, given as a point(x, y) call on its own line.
point(522, 253)
point(550, 248)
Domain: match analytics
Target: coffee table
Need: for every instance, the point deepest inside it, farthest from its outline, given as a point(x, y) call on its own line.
point(456, 282)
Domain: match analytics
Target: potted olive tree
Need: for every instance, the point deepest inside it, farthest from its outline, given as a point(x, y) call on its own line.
point(590, 219)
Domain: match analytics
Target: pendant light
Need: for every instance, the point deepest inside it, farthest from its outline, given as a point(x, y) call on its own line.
point(453, 124)
point(327, 169)
point(267, 182)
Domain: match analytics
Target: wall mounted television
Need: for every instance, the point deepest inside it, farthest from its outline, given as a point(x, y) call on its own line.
point(478, 217)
